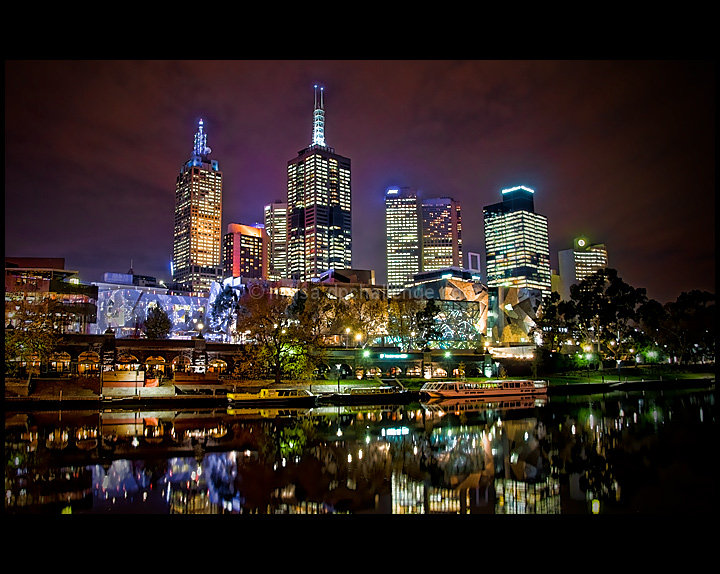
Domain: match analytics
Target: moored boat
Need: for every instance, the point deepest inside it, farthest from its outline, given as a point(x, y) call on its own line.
point(490, 388)
point(274, 396)
point(367, 395)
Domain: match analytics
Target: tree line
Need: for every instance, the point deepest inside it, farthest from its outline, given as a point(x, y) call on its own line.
point(614, 322)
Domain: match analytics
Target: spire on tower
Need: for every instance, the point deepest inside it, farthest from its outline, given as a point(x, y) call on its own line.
point(201, 141)
point(319, 118)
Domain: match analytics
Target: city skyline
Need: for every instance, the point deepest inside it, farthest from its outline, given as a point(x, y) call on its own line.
point(621, 152)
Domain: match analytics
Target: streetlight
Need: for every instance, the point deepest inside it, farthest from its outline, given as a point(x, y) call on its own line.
point(337, 366)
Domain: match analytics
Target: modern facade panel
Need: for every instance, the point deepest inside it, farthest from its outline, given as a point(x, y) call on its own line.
point(516, 242)
point(318, 206)
point(197, 239)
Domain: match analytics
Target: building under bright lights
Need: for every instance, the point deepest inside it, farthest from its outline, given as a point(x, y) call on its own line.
point(275, 219)
point(245, 252)
point(319, 205)
point(403, 231)
point(197, 239)
point(577, 263)
point(441, 234)
point(516, 242)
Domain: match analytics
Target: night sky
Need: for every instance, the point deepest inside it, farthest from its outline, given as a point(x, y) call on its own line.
point(621, 151)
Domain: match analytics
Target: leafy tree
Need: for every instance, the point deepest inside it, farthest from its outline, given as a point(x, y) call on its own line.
point(685, 328)
point(402, 320)
point(278, 324)
point(157, 323)
point(603, 309)
point(34, 336)
point(426, 321)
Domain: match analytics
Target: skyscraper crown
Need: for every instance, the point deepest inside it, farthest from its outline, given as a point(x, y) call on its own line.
point(319, 118)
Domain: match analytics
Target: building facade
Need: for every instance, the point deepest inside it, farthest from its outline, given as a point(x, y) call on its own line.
point(318, 206)
point(245, 252)
point(577, 263)
point(197, 239)
point(441, 234)
point(44, 285)
point(403, 233)
point(275, 219)
point(517, 247)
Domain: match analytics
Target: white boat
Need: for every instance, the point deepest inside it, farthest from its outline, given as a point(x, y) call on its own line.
point(274, 396)
point(490, 388)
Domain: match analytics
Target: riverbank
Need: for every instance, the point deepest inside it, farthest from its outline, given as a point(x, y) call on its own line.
point(86, 393)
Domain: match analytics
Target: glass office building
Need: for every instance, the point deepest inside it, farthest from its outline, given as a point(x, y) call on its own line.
point(403, 237)
point(516, 242)
point(318, 206)
point(583, 259)
point(275, 218)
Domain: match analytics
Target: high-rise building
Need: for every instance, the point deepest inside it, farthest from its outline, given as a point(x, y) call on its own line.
point(403, 232)
point(577, 263)
point(441, 234)
point(318, 206)
point(197, 239)
point(245, 252)
point(517, 247)
point(275, 218)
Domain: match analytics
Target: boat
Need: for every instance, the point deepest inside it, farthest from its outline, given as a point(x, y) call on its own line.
point(367, 395)
point(490, 388)
point(283, 397)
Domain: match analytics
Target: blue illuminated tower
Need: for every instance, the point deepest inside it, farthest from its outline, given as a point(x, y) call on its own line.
point(197, 239)
point(318, 206)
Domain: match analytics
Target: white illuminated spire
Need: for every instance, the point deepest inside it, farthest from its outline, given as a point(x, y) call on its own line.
point(201, 141)
point(319, 118)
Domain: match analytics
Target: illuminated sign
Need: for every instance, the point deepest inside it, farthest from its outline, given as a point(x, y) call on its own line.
point(393, 355)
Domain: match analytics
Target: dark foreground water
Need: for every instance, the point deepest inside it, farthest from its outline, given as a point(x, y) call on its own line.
point(620, 453)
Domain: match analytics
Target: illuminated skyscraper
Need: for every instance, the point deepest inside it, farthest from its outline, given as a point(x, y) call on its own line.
point(517, 247)
point(276, 228)
point(441, 234)
point(402, 233)
point(579, 262)
point(245, 252)
point(197, 239)
point(318, 204)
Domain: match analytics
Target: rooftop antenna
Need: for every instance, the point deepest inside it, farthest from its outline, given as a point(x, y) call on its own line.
point(201, 141)
point(319, 118)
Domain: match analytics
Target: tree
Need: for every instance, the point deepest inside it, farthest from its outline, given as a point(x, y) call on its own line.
point(426, 320)
point(157, 323)
point(33, 337)
point(402, 320)
point(275, 323)
point(604, 311)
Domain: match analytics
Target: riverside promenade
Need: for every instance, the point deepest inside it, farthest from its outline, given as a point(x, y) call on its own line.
point(76, 392)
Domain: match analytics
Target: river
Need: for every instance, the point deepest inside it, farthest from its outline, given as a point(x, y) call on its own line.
point(621, 453)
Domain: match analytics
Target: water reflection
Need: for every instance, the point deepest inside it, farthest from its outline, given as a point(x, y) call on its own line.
point(621, 453)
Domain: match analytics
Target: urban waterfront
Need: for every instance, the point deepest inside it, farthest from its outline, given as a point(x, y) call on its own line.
point(620, 453)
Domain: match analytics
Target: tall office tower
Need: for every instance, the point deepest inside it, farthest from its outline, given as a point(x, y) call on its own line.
point(441, 234)
point(402, 233)
point(245, 252)
point(197, 240)
point(579, 262)
point(517, 248)
point(276, 228)
point(318, 204)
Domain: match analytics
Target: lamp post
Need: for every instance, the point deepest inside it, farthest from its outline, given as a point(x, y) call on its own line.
point(337, 366)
